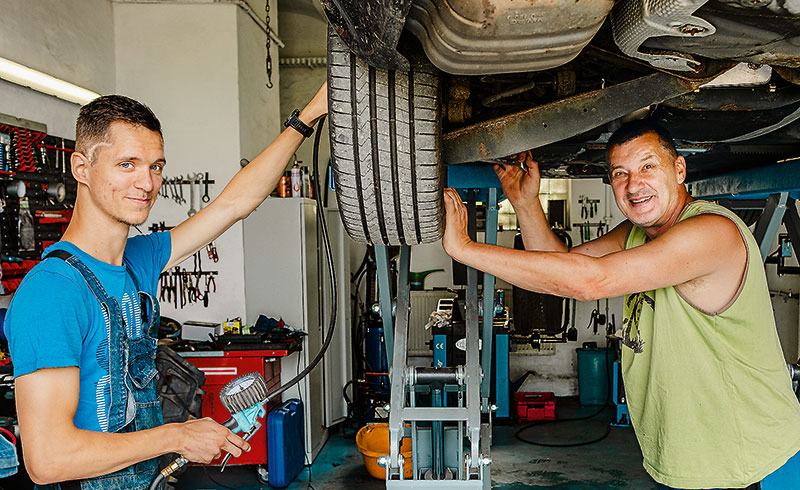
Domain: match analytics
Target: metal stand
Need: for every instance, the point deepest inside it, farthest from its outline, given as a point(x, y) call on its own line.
point(450, 442)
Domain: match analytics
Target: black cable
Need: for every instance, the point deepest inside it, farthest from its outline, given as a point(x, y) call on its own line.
point(215, 482)
point(530, 425)
point(361, 267)
point(329, 259)
point(576, 444)
point(302, 439)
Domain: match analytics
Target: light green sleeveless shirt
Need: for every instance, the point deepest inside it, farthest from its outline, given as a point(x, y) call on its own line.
point(709, 395)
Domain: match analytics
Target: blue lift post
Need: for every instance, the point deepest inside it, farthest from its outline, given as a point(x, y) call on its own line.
point(483, 181)
point(623, 417)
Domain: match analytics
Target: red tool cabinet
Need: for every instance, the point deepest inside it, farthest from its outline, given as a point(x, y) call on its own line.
point(220, 367)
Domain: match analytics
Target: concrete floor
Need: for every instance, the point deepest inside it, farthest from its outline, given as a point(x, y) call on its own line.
point(613, 463)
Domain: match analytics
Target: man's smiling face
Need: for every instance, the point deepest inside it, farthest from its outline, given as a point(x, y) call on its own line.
point(125, 173)
point(647, 181)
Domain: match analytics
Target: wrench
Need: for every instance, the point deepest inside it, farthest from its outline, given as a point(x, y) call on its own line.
point(192, 210)
point(205, 196)
point(180, 191)
point(176, 187)
point(198, 179)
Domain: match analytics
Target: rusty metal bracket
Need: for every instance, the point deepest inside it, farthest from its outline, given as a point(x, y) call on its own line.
point(556, 121)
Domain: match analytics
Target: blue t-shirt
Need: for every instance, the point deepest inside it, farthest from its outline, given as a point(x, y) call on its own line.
point(55, 321)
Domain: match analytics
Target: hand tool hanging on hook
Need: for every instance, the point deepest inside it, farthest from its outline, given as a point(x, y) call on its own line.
point(198, 179)
point(192, 210)
point(180, 192)
point(205, 194)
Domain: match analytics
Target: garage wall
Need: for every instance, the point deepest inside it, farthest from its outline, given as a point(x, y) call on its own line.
point(72, 40)
point(184, 62)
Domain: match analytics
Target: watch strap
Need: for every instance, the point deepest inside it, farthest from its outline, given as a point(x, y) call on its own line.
point(294, 122)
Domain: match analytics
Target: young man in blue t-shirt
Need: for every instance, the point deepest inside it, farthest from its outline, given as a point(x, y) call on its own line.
point(81, 326)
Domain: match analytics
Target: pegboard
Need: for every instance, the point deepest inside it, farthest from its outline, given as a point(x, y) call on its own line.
point(40, 162)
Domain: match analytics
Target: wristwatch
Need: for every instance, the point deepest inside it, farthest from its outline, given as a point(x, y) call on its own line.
point(294, 122)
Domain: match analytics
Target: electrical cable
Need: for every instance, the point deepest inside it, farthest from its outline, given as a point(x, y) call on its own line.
point(530, 425)
point(214, 481)
point(300, 435)
point(329, 259)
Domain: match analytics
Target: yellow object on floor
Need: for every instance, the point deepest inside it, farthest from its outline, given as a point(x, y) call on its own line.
point(372, 442)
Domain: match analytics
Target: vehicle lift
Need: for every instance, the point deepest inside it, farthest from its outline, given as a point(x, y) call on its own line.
point(450, 444)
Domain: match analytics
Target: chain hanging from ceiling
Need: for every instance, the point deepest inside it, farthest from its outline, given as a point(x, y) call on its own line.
point(268, 61)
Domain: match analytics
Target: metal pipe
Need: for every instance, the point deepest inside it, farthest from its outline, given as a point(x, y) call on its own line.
point(490, 237)
point(430, 375)
point(385, 300)
point(473, 367)
point(490, 100)
point(436, 438)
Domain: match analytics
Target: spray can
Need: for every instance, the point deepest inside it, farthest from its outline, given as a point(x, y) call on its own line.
point(297, 181)
point(284, 186)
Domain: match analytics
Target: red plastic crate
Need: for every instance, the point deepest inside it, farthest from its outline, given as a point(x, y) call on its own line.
point(535, 405)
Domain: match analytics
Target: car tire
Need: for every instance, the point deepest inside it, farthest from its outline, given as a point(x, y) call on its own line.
point(385, 147)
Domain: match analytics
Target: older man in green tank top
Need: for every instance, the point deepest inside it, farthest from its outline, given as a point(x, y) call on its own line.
point(708, 390)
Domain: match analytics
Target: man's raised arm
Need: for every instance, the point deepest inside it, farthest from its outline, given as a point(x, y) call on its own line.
point(718, 256)
point(521, 187)
point(248, 188)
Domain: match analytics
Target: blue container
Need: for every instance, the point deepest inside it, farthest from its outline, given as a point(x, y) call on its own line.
point(285, 436)
point(375, 347)
point(595, 368)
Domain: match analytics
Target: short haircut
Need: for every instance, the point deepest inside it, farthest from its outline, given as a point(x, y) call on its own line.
point(96, 117)
point(634, 129)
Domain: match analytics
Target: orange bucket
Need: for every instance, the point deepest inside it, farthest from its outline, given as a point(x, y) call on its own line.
point(372, 442)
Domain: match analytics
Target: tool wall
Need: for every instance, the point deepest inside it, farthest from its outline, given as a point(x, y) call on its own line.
point(37, 194)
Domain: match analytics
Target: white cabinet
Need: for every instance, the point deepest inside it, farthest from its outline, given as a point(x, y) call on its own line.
point(285, 276)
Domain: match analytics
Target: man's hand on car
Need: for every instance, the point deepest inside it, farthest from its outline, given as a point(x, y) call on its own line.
point(521, 187)
point(456, 236)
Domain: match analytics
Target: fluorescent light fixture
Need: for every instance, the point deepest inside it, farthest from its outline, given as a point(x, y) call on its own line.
point(42, 82)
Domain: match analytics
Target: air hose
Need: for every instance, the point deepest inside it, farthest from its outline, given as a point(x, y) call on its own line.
point(260, 397)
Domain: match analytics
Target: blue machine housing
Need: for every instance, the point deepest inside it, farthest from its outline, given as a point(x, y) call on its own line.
point(623, 418)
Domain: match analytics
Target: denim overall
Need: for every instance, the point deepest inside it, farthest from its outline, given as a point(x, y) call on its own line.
point(134, 403)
